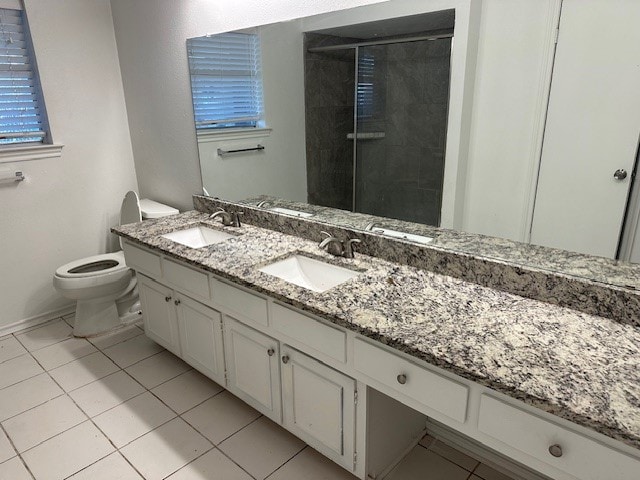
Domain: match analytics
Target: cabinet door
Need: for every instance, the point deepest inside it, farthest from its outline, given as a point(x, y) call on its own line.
point(318, 405)
point(159, 314)
point(201, 338)
point(252, 368)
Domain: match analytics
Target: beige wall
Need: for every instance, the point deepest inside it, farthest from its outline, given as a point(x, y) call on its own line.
point(64, 209)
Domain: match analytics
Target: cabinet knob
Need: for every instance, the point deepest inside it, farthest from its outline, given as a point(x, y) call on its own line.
point(270, 352)
point(176, 302)
point(285, 359)
point(620, 174)
point(167, 299)
point(402, 379)
point(555, 450)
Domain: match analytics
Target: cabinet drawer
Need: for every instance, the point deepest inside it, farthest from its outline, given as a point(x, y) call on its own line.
point(240, 303)
point(322, 338)
point(186, 279)
point(580, 456)
point(430, 389)
point(142, 260)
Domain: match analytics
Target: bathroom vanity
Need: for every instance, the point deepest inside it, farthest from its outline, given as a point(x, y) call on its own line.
point(359, 371)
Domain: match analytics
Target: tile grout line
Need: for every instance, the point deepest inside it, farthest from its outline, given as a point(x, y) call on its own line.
point(287, 461)
point(90, 419)
point(234, 462)
point(17, 455)
point(60, 433)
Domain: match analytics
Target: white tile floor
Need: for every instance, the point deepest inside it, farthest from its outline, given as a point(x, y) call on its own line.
point(120, 407)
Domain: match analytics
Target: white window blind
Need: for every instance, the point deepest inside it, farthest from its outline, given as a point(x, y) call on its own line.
point(226, 80)
point(366, 74)
point(21, 116)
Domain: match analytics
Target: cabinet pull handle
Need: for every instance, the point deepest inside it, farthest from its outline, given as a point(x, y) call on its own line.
point(402, 379)
point(176, 302)
point(555, 450)
point(167, 299)
point(285, 359)
point(270, 352)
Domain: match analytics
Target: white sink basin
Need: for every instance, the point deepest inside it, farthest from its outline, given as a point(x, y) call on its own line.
point(412, 237)
point(198, 237)
point(288, 211)
point(309, 273)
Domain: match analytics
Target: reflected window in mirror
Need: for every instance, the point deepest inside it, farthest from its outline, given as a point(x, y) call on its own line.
point(226, 81)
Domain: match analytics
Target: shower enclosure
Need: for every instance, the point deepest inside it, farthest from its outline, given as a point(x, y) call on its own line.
point(376, 123)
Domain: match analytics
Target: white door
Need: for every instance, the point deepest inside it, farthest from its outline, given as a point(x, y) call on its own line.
point(159, 314)
point(201, 338)
point(253, 372)
point(592, 128)
point(318, 405)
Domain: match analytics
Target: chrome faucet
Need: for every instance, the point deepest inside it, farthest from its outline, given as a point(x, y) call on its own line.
point(370, 226)
point(228, 219)
point(332, 244)
point(338, 248)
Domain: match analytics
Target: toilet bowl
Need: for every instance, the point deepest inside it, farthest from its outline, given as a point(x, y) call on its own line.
point(103, 286)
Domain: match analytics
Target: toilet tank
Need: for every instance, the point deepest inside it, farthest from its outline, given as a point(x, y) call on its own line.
point(152, 209)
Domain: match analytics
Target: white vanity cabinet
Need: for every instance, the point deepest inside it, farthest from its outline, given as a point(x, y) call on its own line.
point(200, 330)
point(310, 399)
point(319, 406)
point(253, 373)
point(183, 326)
point(159, 314)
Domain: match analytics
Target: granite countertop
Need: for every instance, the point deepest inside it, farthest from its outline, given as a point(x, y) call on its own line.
point(580, 367)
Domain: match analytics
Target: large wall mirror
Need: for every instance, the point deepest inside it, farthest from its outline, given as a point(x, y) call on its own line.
point(383, 110)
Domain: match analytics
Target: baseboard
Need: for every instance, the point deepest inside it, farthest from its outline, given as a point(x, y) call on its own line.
point(485, 455)
point(36, 320)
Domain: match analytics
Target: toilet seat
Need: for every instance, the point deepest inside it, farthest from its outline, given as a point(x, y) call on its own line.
point(95, 266)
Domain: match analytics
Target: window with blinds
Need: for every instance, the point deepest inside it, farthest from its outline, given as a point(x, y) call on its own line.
point(226, 80)
point(22, 117)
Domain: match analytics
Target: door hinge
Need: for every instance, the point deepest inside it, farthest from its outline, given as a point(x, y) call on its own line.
point(355, 459)
point(355, 397)
point(556, 36)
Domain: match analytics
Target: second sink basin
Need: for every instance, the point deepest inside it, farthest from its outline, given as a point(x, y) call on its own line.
point(309, 273)
point(198, 237)
point(288, 211)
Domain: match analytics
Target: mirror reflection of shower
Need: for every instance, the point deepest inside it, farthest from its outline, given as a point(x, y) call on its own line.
point(376, 117)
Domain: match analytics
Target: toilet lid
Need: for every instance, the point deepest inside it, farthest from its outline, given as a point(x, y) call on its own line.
point(93, 266)
point(130, 210)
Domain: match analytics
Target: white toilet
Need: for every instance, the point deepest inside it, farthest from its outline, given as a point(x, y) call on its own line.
point(104, 287)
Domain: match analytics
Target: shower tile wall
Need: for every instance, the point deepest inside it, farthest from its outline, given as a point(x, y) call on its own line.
point(400, 176)
point(329, 100)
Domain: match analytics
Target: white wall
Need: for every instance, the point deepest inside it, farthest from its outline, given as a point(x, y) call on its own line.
point(65, 207)
point(151, 37)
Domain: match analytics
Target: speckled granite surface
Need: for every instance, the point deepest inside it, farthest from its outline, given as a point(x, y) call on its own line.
point(593, 285)
point(577, 366)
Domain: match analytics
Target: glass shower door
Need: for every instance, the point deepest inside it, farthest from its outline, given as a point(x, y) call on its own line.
point(401, 124)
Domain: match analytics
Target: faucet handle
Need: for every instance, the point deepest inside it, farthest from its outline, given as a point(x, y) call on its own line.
point(348, 247)
point(235, 219)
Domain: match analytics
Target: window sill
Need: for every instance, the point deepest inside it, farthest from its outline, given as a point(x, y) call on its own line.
point(232, 134)
point(29, 152)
